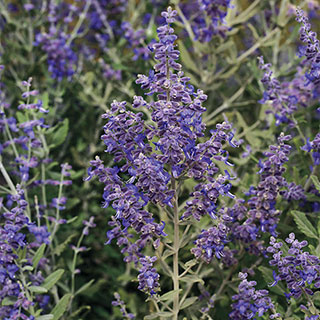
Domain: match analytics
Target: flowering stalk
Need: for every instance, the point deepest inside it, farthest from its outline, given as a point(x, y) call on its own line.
point(155, 158)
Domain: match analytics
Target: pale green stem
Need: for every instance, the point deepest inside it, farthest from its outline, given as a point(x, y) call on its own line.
point(37, 209)
point(55, 228)
point(79, 23)
point(176, 244)
point(309, 181)
point(190, 284)
point(228, 102)
point(43, 187)
point(7, 177)
point(73, 268)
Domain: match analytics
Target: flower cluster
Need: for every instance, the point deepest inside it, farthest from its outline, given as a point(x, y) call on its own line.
point(205, 196)
point(61, 58)
point(20, 236)
point(121, 304)
point(12, 239)
point(262, 203)
point(293, 192)
point(152, 156)
point(148, 276)
point(128, 203)
point(284, 105)
point(311, 50)
point(246, 222)
point(249, 301)
point(207, 18)
point(136, 41)
point(210, 243)
point(314, 148)
point(299, 269)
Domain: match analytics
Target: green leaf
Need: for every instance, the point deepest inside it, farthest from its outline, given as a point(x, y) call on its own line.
point(188, 302)
point(84, 287)
point(61, 306)
point(191, 263)
point(27, 268)
point(169, 295)
point(167, 253)
point(58, 134)
point(186, 58)
point(82, 308)
point(316, 182)
point(282, 17)
point(72, 219)
point(9, 301)
point(45, 317)
point(268, 277)
point(45, 99)
point(62, 246)
point(316, 296)
point(52, 279)
point(304, 225)
point(21, 117)
point(38, 255)
point(192, 278)
point(37, 289)
point(158, 315)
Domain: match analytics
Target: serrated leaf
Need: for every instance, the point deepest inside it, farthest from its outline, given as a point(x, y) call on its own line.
point(84, 287)
point(169, 295)
point(37, 289)
point(61, 307)
point(52, 279)
point(316, 182)
point(45, 317)
point(38, 255)
point(188, 302)
point(157, 315)
point(268, 277)
point(304, 225)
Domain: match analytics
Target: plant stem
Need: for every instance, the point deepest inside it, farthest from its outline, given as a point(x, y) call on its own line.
point(81, 19)
point(7, 178)
point(176, 242)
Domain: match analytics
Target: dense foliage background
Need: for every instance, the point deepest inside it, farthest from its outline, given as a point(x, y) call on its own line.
point(83, 55)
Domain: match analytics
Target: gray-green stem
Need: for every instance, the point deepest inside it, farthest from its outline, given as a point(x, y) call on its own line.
point(7, 178)
point(176, 243)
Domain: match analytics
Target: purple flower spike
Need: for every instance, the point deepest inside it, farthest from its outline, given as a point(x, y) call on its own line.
point(148, 277)
point(210, 243)
point(299, 269)
point(249, 302)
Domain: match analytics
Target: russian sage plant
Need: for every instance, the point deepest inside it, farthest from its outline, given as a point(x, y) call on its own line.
point(213, 197)
point(155, 158)
point(159, 147)
point(31, 204)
